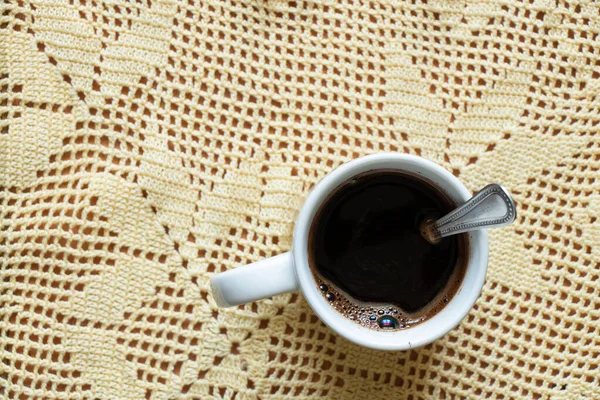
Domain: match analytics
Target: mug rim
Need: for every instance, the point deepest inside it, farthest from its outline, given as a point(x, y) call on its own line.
point(427, 331)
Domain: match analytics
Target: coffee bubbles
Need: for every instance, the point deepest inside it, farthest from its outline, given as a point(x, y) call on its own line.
point(387, 323)
point(384, 317)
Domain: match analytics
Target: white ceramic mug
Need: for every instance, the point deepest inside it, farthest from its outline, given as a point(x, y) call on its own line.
point(290, 271)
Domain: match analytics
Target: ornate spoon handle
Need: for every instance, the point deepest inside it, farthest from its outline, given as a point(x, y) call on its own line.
point(491, 207)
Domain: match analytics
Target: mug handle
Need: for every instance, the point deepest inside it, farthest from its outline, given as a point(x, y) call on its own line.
point(265, 278)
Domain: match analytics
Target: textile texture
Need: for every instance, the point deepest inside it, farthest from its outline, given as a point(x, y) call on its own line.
point(147, 145)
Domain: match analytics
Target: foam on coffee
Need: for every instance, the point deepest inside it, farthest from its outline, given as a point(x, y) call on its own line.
point(366, 237)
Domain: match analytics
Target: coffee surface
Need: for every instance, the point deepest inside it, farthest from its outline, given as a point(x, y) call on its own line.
point(365, 240)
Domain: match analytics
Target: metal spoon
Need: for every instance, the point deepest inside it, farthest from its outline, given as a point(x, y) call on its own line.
point(491, 207)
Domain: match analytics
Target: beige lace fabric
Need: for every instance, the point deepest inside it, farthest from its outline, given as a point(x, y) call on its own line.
point(147, 145)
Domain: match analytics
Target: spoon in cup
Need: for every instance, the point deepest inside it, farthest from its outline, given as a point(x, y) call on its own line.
point(491, 207)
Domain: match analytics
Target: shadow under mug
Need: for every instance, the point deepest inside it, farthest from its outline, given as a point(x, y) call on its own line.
point(290, 271)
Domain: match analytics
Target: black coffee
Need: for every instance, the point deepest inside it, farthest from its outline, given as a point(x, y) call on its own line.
point(369, 258)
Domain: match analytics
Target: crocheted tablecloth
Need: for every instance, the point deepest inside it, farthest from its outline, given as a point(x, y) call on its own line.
point(147, 145)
